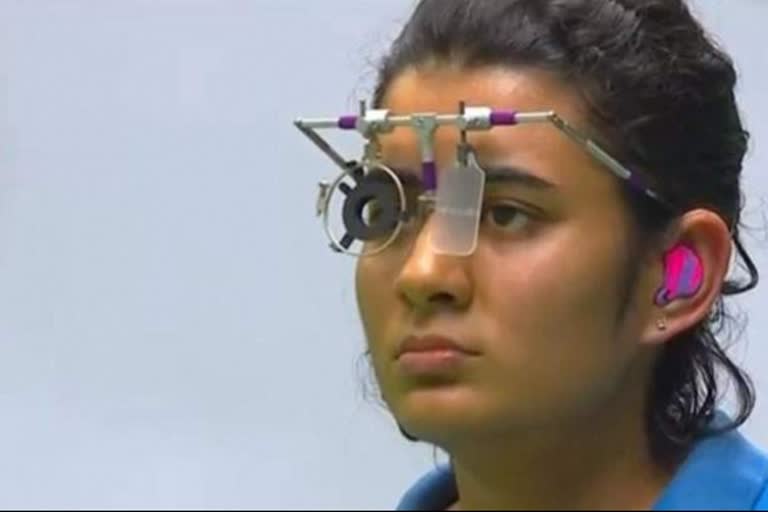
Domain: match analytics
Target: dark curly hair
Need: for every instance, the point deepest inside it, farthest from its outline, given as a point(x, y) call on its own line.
point(660, 95)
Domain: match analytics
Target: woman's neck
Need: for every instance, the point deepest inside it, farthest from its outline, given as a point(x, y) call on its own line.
point(603, 463)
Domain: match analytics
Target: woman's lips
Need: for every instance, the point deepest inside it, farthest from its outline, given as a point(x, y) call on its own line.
point(432, 355)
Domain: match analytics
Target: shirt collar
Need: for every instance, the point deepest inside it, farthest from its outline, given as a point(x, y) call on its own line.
point(722, 472)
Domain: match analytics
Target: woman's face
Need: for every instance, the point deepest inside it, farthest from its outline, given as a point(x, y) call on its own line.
point(539, 307)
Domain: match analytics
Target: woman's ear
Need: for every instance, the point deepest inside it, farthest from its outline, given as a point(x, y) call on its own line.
point(690, 270)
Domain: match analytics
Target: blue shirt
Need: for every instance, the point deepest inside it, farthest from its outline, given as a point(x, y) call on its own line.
point(722, 472)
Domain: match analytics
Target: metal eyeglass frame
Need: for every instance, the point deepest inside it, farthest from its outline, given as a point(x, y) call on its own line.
point(371, 123)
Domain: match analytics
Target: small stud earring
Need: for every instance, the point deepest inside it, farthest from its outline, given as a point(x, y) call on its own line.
point(661, 324)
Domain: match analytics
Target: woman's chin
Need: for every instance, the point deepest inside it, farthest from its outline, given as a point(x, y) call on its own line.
point(438, 414)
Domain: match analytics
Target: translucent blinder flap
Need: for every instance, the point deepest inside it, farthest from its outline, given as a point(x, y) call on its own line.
point(458, 207)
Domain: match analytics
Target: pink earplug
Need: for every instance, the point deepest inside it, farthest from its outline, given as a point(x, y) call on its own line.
point(683, 275)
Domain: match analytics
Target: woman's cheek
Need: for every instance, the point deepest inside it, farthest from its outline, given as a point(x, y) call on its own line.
point(551, 320)
point(377, 307)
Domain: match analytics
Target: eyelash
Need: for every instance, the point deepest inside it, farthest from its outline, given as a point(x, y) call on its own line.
point(488, 210)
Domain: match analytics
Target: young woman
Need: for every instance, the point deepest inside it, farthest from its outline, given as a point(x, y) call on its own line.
point(555, 364)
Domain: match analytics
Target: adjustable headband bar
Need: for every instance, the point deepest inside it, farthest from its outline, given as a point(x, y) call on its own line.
point(474, 118)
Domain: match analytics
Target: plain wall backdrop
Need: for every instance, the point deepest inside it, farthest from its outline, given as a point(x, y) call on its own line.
point(174, 331)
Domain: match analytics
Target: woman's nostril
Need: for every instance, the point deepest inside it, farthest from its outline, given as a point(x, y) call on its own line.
point(442, 298)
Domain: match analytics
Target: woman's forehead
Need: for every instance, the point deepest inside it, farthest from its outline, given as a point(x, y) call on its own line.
point(539, 147)
point(425, 88)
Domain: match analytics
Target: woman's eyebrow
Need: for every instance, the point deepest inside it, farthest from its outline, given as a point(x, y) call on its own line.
point(517, 176)
point(495, 175)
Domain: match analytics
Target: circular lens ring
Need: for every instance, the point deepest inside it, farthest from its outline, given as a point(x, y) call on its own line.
point(367, 168)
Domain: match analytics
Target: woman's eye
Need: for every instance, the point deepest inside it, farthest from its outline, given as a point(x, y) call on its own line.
point(506, 217)
point(372, 212)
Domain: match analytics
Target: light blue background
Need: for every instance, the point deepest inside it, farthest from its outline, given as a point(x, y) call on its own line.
point(173, 330)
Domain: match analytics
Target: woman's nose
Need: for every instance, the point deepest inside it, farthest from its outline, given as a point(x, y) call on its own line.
point(428, 280)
